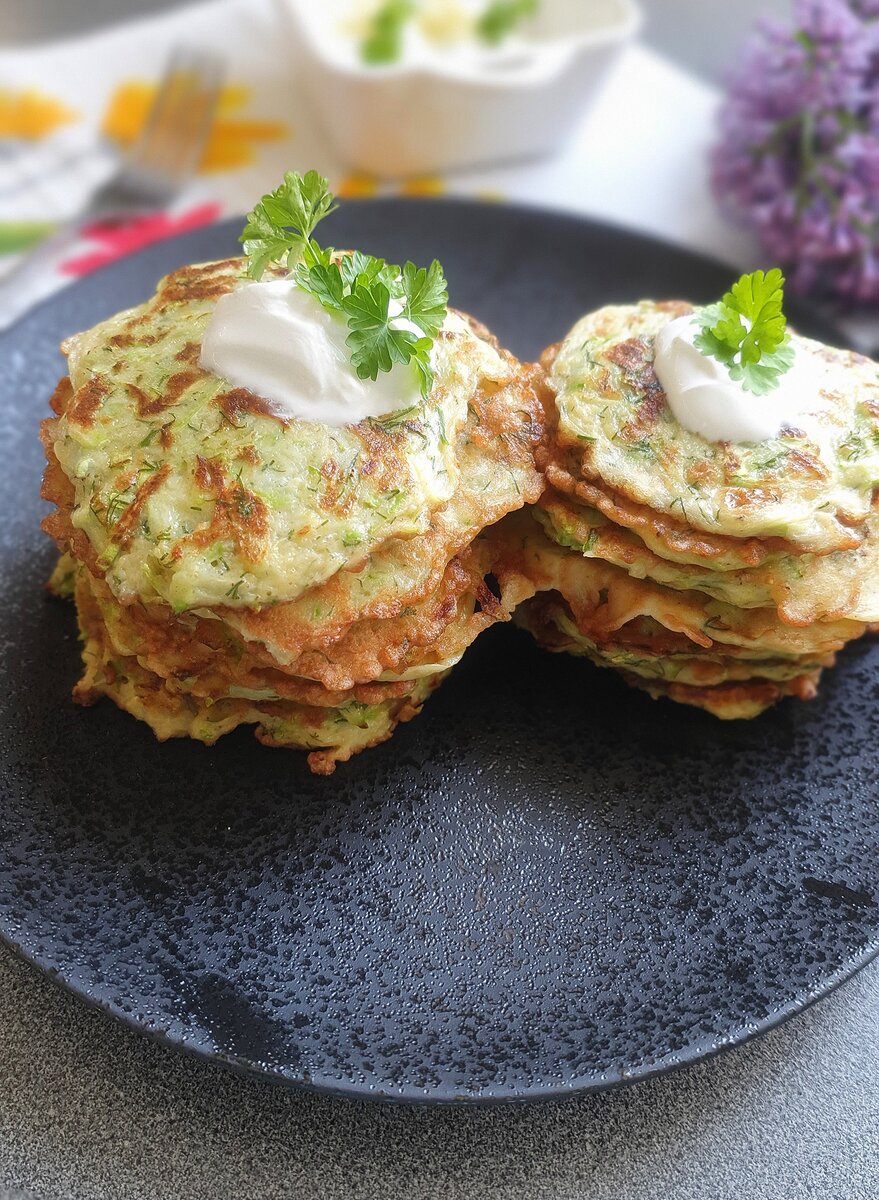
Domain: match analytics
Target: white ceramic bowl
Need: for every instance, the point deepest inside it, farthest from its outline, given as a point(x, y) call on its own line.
point(444, 113)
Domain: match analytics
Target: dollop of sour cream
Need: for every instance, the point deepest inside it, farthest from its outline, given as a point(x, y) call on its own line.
point(278, 341)
point(706, 400)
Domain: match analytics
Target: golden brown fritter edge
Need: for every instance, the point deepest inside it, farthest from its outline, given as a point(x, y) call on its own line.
point(368, 642)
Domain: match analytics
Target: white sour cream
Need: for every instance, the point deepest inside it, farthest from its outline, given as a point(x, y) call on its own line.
point(279, 342)
point(706, 400)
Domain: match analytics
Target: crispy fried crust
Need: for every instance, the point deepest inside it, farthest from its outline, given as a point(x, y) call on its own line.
point(811, 485)
point(332, 733)
point(256, 509)
point(718, 575)
point(681, 644)
point(335, 668)
point(803, 589)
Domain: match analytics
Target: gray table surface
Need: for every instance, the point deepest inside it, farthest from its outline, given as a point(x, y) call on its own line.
point(90, 1110)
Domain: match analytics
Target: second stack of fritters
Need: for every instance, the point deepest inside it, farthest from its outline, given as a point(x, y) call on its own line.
point(722, 575)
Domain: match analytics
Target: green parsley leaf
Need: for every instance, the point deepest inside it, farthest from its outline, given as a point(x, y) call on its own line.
point(323, 281)
point(426, 296)
point(421, 359)
point(280, 227)
point(357, 263)
point(375, 344)
point(362, 268)
point(747, 331)
point(376, 341)
point(383, 43)
point(374, 298)
point(501, 18)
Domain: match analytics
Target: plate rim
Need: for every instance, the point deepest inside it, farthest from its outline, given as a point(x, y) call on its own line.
point(800, 306)
point(701, 1049)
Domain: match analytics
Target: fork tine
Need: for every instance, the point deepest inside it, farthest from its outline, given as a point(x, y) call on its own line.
point(165, 96)
point(198, 119)
point(178, 124)
point(157, 164)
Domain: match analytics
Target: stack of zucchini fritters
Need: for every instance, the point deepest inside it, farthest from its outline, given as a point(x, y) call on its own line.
point(721, 575)
point(233, 567)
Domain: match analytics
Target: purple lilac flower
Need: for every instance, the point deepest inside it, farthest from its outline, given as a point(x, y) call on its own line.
point(798, 156)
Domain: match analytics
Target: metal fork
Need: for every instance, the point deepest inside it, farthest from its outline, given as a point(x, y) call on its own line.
point(157, 165)
point(168, 148)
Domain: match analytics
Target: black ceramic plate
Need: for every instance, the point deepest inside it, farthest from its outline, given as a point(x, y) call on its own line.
point(546, 883)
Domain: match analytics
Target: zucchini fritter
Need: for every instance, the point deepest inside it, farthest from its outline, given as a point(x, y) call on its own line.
point(722, 575)
point(232, 566)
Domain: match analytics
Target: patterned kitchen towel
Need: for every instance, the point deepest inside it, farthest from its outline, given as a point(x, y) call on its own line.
point(66, 109)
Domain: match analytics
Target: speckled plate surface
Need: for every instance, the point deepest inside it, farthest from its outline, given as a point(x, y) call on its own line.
point(546, 883)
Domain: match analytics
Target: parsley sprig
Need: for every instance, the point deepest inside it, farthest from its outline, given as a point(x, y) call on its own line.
point(279, 228)
point(383, 42)
point(393, 313)
point(501, 18)
point(747, 331)
point(384, 38)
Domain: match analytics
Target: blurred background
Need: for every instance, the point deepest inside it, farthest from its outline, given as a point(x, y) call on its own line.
point(747, 131)
point(699, 34)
